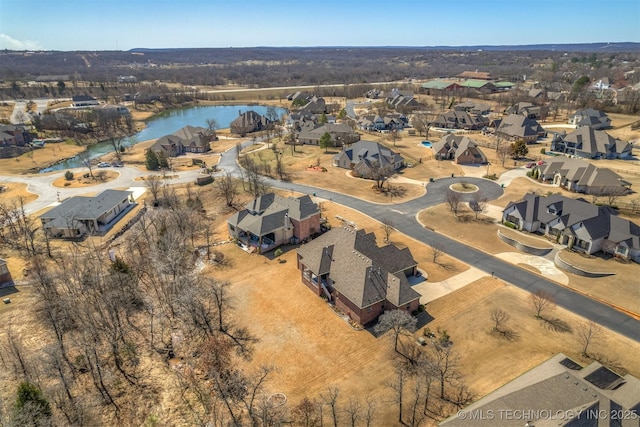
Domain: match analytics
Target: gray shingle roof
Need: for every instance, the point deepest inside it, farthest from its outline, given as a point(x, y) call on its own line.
point(361, 271)
point(80, 208)
point(553, 388)
point(267, 213)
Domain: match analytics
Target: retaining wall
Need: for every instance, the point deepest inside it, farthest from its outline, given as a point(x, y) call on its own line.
point(575, 270)
point(523, 247)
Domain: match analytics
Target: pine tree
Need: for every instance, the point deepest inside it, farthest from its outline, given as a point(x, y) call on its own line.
point(151, 161)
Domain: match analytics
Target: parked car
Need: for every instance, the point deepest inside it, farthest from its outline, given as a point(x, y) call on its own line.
point(104, 165)
point(117, 164)
point(531, 164)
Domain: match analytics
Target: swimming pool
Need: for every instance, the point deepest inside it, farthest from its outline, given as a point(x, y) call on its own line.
point(426, 144)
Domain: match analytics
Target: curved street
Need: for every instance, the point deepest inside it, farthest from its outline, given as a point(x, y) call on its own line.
point(405, 221)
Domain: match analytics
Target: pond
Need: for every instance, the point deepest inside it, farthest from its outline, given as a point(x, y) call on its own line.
point(167, 123)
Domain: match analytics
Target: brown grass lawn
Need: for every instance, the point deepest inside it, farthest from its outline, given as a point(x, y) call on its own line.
point(490, 361)
point(620, 289)
point(39, 158)
point(14, 190)
point(100, 176)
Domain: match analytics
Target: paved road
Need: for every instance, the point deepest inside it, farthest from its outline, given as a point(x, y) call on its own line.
point(406, 223)
point(404, 218)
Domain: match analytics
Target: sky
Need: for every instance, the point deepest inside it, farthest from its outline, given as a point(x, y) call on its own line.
point(128, 24)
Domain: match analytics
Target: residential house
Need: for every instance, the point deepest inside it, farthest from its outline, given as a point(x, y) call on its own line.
point(362, 279)
point(455, 119)
point(476, 75)
point(341, 134)
point(12, 135)
point(83, 101)
point(365, 156)
point(528, 110)
point(436, 87)
point(504, 86)
point(589, 143)
point(5, 274)
point(515, 127)
point(536, 93)
point(79, 215)
point(472, 107)
point(595, 119)
point(189, 139)
point(559, 392)
point(402, 100)
point(479, 86)
point(271, 220)
point(582, 177)
point(601, 84)
point(307, 104)
point(387, 123)
point(575, 223)
point(460, 149)
point(248, 122)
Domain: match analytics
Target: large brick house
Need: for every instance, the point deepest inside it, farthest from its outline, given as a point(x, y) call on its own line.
point(362, 279)
point(271, 220)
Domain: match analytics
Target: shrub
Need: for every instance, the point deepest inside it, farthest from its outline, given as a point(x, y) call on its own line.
point(278, 252)
point(509, 224)
point(543, 151)
point(68, 175)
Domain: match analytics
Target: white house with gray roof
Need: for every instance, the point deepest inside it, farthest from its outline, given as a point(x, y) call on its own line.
point(561, 393)
point(271, 220)
point(576, 223)
point(595, 119)
point(362, 279)
point(79, 215)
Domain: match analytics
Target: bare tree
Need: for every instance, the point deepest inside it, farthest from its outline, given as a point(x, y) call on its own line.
point(499, 318)
point(437, 250)
point(503, 151)
point(398, 385)
point(588, 333)
point(445, 366)
point(331, 399)
point(453, 199)
point(398, 321)
point(228, 188)
point(478, 204)
point(380, 174)
point(154, 184)
point(306, 412)
point(387, 229)
point(542, 301)
point(86, 161)
point(353, 410)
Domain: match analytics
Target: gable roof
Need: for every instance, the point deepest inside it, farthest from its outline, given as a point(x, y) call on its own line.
point(361, 271)
point(517, 125)
point(269, 212)
point(557, 385)
point(439, 84)
point(81, 208)
point(372, 152)
point(582, 173)
point(593, 141)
